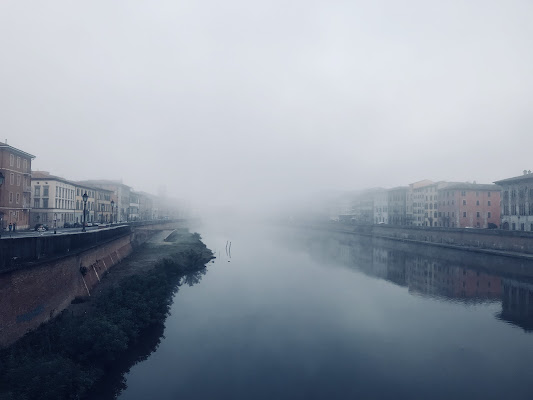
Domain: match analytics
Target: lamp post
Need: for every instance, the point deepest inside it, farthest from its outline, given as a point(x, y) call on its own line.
point(84, 209)
point(112, 207)
point(55, 223)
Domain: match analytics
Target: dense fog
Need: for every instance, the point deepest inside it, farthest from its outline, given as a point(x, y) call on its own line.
point(249, 106)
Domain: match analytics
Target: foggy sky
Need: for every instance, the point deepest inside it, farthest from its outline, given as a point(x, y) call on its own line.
point(254, 101)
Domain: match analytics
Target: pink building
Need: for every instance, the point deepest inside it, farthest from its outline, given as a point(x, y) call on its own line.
point(469, 205)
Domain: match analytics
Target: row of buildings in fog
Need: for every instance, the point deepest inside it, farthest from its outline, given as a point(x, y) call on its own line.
point(506, 204)
point(30, 197)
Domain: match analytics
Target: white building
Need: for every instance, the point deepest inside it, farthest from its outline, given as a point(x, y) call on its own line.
point(381, 207)
point(53, 200)
point(517, 202)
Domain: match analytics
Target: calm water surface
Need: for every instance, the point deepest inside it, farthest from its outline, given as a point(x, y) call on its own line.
point(296, 314)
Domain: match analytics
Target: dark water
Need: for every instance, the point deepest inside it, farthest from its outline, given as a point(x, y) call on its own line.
point(305, 315)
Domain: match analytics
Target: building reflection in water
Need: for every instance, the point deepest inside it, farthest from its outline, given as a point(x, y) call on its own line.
point(517, 303)
point(451, 275)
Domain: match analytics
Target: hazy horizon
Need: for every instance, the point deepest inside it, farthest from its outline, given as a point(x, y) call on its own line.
point(241, 103)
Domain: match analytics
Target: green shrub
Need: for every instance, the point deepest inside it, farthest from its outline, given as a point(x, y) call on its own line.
point(65, 357)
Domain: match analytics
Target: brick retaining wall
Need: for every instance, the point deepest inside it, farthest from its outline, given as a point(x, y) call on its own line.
point(31, 293)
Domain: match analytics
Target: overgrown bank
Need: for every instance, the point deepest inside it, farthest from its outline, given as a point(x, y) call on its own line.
point(64, 358)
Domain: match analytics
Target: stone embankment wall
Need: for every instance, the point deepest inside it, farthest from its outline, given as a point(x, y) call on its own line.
point(31, 293)
point(483, 240)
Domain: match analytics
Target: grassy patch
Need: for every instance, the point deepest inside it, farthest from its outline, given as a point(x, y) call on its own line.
point(64, 358)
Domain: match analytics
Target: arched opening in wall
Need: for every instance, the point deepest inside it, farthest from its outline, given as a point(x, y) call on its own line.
point(505, 226)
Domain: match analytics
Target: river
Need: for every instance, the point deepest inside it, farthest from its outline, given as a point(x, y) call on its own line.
point(298, 314)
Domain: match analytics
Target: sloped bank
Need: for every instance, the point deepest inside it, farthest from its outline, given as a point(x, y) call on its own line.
point(66, 357)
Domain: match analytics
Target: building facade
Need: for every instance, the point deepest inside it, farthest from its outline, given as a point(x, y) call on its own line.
point(120, 195)
point(53, 200)
point(381, 207)
point(15, 187)
point(397, 199)
point(90, 207)
point(468, 205)
point(517, 202)
point(419, 192)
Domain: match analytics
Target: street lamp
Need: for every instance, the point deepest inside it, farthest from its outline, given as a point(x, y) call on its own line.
point(112, 207)
point(55, 223)
point(84, 208)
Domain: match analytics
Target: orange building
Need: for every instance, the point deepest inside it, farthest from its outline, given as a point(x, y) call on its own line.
point(15, 187)
point(469, 205)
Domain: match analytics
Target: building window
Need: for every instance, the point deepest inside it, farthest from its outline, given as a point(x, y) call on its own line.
point(477, 202)
point(25, 165)
point(488, 194)
point(513, 226)
point(463, 193)
point(464, 202)
point(18, 162)
point(464, 214)
point(522, 227)
point(45, 203)
point(37, 191)
point(489, 214)
point(11, 197)
point(18, 198)
point(12, 179)
point(477, 214)
point(45, 191)
point(488, 203)
point(513, 209)
point(11, 160)
point(18, 180)
point(36, 203)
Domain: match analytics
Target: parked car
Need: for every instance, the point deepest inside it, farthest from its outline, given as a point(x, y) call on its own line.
point(76, 225)
point(68, 225)
point(41, 227)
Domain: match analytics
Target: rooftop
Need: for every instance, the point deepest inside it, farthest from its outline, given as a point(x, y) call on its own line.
point(526, 176)
point(470, 186)
point(5, 146)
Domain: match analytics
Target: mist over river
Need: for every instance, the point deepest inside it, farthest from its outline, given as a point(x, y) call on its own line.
point(288, 313)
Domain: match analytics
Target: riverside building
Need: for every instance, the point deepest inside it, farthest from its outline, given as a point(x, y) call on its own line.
point(15, 187)
point(53, 200)
point(468, 205)
point(517, 202)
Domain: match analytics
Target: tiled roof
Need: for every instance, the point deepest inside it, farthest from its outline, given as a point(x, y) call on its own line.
point(6, 146)
point(524, 177)
point(470, 186)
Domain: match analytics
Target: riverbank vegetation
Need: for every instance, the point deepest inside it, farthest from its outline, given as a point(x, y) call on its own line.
point(65, 357)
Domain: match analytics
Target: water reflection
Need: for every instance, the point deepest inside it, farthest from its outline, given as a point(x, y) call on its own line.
point(517, 303)
point(114, 381)
point(445, 274)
